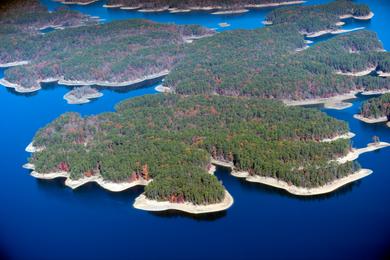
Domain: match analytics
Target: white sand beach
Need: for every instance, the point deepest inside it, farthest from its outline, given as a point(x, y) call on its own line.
point(357, 73)
point(356, 152)
point(335, 102)
point(143, 203)
point(348, 135)
point(239, 11)
point(162, 89)
point(13, 64)
point(371, 120)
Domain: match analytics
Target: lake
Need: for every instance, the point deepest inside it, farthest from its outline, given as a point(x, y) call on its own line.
point(46, 220)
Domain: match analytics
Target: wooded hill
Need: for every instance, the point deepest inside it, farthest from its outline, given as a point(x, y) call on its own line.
point(316, 18)
point(264, 63)
point(376, 107)
point(171, 138)
point(119, 51)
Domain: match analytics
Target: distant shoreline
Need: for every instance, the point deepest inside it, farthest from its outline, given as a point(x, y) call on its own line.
point(224, 10)
point(21, 89)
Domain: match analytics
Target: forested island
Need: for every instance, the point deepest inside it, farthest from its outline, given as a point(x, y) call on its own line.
point(171, 140)
point(175, 6)
point(114, 54)
point(375, 110)
point(319, 19)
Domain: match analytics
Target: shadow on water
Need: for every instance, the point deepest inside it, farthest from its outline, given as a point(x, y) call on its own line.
point(199, 217)
point(224, 174)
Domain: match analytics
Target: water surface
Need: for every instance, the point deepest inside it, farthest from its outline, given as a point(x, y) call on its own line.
point(46, 220)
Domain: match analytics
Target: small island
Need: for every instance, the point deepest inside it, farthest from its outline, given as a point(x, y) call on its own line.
point(375, 110)
point(168, 142)
point(82, 95)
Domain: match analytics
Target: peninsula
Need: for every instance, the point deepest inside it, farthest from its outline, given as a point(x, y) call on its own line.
point(167, 142)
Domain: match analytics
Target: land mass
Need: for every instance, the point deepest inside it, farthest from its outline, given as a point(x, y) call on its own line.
point(120, 53)
point(82, 95)
point(168, 140)
point(375, 110)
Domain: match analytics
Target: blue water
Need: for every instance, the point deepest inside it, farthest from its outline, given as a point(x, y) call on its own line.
point(46, 220)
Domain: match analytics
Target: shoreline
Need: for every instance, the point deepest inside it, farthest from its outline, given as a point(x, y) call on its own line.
point(348, 135)
point(383, 74)
point(203, 8)
point(76, 3)
point(367, 120)
point(61, 81)
point(13, 64)
point(71, 100)
point(334, 32)
point(162, 89)
point(357, 73)
point(375, 92)
point(143, 203)
point(295, 190)
point(356, 152)
point(32, 149)
point(335, 102)
point(366, 17)
point(238, 11)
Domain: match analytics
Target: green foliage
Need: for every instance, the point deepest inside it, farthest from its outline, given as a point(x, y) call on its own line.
point(316, 18)
point(376, 107)
point(176, 135)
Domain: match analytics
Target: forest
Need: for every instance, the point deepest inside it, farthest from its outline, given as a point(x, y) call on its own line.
point(264, 63)
point(316, 18)
point(376, 107)
point(171, 138)
point(119, 51)
point(183, 4)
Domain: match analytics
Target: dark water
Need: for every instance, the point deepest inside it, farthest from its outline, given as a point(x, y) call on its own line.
point(46, 220)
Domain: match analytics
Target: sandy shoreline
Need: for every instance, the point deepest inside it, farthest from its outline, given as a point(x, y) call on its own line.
point(383, 74)
point(356, 152)
point(203, 8)
point(162, 89)
point(239, 11)
point(299, 191)
point(375, 92)
point(33, 149)
point(77, 3)
point(324, 32)
point(13, 64)
point(371, 120)
point(143, 203)
point(62, 81)
point(348, 135)
point(357, 73)
point(335, 102)
point(367, 17)
point(83, 100)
